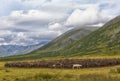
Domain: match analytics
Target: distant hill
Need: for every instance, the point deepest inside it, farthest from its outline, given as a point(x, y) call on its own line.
point(10, 50)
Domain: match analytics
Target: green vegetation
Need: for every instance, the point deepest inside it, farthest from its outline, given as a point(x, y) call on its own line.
point(66, 39)
point(45, 74)
point(104, 41)
point(39, 57)
point(87, 77)
point(118, 70)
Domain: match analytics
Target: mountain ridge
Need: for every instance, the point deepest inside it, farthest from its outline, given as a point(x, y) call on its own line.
point(10, 50)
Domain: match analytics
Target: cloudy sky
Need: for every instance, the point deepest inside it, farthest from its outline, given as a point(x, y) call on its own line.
point(28, 22)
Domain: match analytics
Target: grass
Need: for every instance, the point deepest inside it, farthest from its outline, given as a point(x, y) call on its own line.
point(87, 77)
point(46, 74)
point(31, 57)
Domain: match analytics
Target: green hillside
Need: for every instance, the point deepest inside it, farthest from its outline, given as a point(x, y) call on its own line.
point(102, 42)
point(66, 39)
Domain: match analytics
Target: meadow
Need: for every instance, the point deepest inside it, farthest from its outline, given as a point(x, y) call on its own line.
point(50, 74)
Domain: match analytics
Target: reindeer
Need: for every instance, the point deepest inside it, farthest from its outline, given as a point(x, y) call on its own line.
point(54, 66)
point(76, 66)
point(57, 65)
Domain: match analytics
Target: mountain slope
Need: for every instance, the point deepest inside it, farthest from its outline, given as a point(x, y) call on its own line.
point(66, 39)
point(104, 41)
point(57, 44)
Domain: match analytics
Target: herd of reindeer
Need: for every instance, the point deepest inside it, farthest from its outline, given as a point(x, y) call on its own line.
point(66, 63)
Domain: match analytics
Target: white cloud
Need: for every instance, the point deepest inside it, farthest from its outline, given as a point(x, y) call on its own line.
point(89, 16)
point(56, 27)
point(31, 14)
point(2, 40)
point(26, 22)
point(26, 38)
point(4, 23)
point(27, 27)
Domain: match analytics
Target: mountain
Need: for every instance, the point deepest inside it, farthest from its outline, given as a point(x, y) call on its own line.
point(57, 44)
point(9, 50)
point(104, 41)
point(66, 39)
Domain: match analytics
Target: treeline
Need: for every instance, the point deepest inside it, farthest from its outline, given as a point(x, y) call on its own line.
point(66, 63)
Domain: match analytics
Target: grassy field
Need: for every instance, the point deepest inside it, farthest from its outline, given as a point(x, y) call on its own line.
point(36, 57)
point(46, 74)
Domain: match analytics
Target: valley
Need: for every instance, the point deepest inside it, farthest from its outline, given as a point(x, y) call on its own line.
point(97, 52)
point(59, 40)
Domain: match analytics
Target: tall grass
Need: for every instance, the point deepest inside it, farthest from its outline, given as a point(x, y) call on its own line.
point(99, 77)
point(118, 70)
point(46, 74)
point(68, 77)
